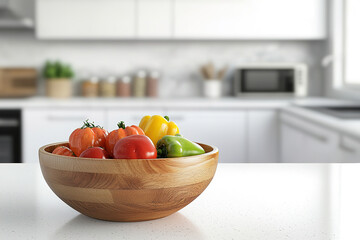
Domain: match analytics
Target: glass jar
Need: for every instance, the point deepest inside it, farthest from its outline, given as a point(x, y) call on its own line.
point(107, 87)
point(90, 87)
point(124, 87)
point(139, 86)
point(152, 84)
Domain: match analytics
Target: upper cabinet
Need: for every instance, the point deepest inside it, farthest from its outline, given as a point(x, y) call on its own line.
point(249, 19)
point(85, 19)
point(181, 19)
point(154, 19)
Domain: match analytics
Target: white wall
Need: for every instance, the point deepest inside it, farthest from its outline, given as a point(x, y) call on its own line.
point(178, 60)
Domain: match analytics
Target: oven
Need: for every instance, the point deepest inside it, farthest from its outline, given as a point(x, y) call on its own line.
point(10, 136)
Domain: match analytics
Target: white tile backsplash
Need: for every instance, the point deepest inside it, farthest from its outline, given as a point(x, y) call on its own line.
point(178, 61)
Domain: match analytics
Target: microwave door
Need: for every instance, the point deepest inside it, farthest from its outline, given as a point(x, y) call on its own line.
point(267, 81)
point(260, 81)
point(287, 79)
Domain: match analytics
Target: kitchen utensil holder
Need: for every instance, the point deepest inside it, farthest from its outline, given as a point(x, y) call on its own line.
point(212, 88)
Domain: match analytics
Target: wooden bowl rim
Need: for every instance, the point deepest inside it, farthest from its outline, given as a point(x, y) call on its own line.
point(42, 150)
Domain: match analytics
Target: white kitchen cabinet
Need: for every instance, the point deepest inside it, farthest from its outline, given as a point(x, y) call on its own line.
point(263, 136)
point(304, 141)
point(154, 19)
point(85, 19)
point(249, 19)
point(291, 144)
point(181, 19)
point(223, 129)
point(349, 149)
point(44, 126)
point(130, 117)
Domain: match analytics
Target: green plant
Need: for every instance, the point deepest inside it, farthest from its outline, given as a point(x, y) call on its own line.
point(57, 70)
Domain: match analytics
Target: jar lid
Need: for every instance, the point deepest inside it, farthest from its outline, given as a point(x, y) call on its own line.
point(141, 74)
point(155, 74)
point(94, 79)
point(111, 79)
point(126, 79)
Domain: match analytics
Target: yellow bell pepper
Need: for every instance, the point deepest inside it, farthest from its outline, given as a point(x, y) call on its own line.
point(155, 127)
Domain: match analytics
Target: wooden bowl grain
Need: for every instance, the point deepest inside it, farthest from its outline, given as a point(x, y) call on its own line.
point(127, 190)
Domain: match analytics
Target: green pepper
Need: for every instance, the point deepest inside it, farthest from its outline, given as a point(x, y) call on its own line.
point(177, 146)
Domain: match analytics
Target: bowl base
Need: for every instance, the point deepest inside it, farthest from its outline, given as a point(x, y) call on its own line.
point(131, 219)
point(108, 212)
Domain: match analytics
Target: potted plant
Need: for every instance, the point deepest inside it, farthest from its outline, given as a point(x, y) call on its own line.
point(58, 79)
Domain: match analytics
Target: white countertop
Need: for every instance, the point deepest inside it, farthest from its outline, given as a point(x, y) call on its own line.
point(223, 103)
point(244, 201)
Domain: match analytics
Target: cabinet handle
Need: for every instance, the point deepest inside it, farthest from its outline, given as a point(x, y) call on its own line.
point(9, 122)
point(318, 137)
point(344, 147)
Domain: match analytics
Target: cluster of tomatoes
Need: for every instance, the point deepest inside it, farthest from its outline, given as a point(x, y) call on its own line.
point(92, 141)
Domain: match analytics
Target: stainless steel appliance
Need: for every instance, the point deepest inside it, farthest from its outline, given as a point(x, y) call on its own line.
point(271, 78)
point(10, 136)
point(342, 112)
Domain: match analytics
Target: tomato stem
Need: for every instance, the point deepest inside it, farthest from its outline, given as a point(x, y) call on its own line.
point(88, 124)
point(121, 124)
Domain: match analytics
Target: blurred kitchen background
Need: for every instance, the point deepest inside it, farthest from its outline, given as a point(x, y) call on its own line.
point(264, 80)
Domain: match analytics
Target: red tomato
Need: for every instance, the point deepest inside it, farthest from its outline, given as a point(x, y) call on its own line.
point(122, 132)
point(65, 151)
point(87, 136)
point(95, 152)
point(135, 147)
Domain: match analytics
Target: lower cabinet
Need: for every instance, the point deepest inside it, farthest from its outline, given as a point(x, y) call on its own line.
point(42, 126)
point(349, 149)
point(305, 142)
point(240, 135)
point(263, 136)
point(291, 144)
point(248, 135)
point(225, 129)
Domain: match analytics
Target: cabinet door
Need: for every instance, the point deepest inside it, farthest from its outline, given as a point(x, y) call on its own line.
point(45, 126)
point(154, 18)
point(291, 144)
point(249, 19)
point(130, 117)
point(85, 19)
point(349, 149)
point(263, 136)
point(303, 141)
point(223, 129)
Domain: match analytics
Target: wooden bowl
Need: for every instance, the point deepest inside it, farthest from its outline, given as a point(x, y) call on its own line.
point(127, 190)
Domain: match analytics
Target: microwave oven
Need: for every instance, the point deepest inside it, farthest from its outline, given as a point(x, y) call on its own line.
point(18, 82)
point(271, 79)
